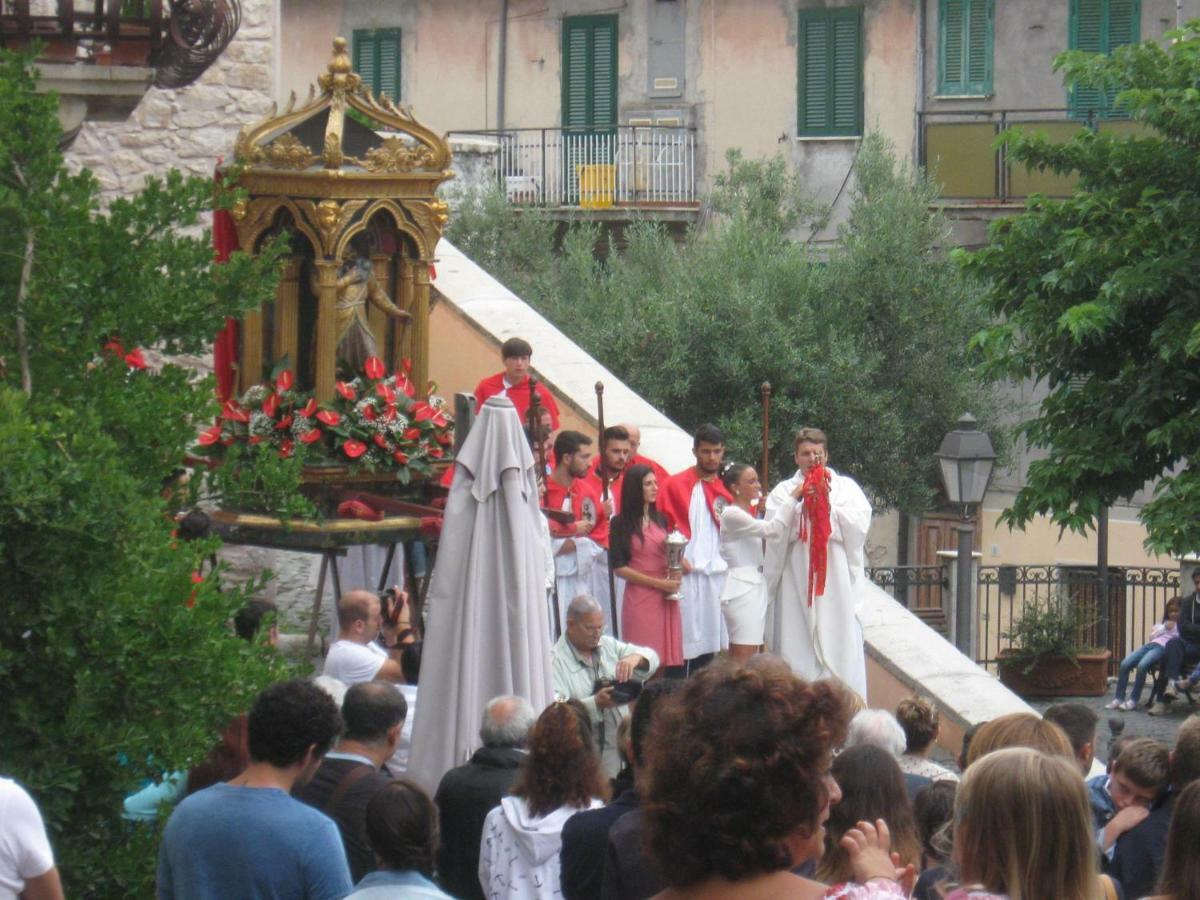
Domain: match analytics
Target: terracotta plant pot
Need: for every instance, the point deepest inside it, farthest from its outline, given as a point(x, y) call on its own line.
point(1056, 676)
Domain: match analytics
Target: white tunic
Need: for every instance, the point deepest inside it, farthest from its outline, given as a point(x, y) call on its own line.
point(700, 609)
point(581, 571)
point(744, 596)
point(824, 639)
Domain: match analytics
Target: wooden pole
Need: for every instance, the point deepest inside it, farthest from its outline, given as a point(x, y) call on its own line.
point(764, 472)
point(535, 435)
point(603, 470)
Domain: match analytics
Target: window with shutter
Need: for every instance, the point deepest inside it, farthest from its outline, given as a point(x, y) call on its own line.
point(1101, 26)
point(965, 47)
point(377, 60)
point(589, 91)
point(830, 72)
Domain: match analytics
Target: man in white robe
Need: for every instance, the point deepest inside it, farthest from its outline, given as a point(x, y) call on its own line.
point(692, 501)
point(820, 637)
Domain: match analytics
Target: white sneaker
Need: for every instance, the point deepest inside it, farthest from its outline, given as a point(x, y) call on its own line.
point(1113, 704)
point(1129, 706)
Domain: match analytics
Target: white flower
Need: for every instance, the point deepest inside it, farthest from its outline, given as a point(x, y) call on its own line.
point(255, 395)
point(261, 425)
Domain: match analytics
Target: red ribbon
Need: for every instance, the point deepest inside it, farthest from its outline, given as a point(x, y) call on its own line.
point(815, 528)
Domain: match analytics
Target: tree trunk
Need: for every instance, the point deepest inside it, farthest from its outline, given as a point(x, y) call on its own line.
point(22, 293)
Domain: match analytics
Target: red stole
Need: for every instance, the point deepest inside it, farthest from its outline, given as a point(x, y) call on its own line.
point(519, 395)
point(675, 499)
point(585, 498)
point(815, 528)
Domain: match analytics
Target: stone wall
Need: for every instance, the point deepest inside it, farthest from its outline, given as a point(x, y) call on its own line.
point(189, 128)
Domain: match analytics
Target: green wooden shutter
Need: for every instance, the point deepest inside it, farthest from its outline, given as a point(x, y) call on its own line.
point(830, 72)
point(979, 28)
point(377, 60)
point(1100, 26)
point(965, 46)
point(589, 71)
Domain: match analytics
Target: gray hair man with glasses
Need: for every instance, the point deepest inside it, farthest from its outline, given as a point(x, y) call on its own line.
point(603, 673)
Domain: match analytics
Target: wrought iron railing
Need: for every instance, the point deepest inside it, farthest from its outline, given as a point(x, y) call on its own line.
point(919, 588)
point(1137, 597)
point(179, 39)
point(958, 148)
point(596, 167)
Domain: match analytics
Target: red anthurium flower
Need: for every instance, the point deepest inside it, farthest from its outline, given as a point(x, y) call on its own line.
point(114, 347)
point(380, 441)
point(344, 390)
point(405, 384)
point(255, 439)
point(369, 413)
point(374, 367)
point(437, 452)
point(284, 423)
point(134, 359)
point(389, 413)
point(412, 434)
point(407, 364)
point(328, 416)
point(286, 448)
point(354, 449)
point(284, 381)
point(271, 405)
point(422, 412)
point(309, 436)
point(401, 457)
point(388, 395)
point(439, 419)
point(210, 436)
point(233, 413)
point(310, 408)
point(442, 438)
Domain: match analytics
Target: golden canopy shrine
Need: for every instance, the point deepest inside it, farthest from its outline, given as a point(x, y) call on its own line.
point(350, 180)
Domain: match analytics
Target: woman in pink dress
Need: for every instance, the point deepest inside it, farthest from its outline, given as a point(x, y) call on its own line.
point(638, 540)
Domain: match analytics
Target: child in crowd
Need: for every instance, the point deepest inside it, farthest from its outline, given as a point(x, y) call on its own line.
point(1181, 870)
point(1137, 778)
point(1098, 795)
point(1147, 656)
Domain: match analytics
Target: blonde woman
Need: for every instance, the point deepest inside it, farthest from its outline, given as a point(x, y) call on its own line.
point(1023, 830)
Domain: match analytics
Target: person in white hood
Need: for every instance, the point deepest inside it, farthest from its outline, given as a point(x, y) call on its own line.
point(522, 837)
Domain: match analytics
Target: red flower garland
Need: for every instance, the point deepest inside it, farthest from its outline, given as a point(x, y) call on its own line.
point(815, 528)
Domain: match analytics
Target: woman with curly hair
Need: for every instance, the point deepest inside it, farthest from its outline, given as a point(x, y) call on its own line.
point(522, 837)
point(919, 719)
point(738, 788)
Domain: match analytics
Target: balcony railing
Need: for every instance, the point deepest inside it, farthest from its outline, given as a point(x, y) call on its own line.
point(178, 39)
point(640, 166)
point(958, 150)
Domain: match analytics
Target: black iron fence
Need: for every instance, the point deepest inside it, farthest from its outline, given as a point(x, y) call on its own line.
point(1137, 598)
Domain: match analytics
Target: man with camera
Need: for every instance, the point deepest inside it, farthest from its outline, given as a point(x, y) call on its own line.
point(356, 656)
point(605, 674)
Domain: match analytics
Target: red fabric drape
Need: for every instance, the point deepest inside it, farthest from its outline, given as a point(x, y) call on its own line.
point(225, 346)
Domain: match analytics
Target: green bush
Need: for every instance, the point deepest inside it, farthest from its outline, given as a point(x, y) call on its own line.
point(867, 340)
point(115, 667)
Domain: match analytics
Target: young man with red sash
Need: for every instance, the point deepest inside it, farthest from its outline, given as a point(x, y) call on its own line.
point(692, 501)
point(581, 545)
point(513, 382)
point(615, 451)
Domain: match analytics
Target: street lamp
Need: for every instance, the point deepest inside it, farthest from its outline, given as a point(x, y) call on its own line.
point(966, 456)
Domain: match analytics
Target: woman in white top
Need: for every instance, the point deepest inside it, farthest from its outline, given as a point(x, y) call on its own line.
point(744, 597)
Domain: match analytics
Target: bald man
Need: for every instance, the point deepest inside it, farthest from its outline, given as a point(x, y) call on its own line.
point(635, 441)
point(356, 655)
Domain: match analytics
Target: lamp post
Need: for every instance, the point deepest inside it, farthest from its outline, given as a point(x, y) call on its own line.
point(966, 457)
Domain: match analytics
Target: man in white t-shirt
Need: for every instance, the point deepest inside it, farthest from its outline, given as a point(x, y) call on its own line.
point(26, 861)
point(356, 656)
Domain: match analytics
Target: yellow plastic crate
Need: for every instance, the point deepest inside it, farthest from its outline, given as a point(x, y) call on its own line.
point(597, 185)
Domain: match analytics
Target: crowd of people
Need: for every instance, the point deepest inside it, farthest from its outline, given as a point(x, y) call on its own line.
point(710, 736)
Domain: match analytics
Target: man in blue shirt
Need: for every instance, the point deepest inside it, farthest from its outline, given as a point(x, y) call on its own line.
point(248, 837)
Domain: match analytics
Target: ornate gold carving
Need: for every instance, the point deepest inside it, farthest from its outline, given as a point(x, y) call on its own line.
point(441, 212)
point(398, 155)
point(332, 155)
point(330, 219)
point(341, 77)
point(286, 152)
point(238, 210)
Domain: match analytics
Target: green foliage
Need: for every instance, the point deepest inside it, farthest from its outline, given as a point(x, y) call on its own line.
point(115, 666)
point(868, 342)
point(1095, 298)
point(258, 478)
point(1049, 628)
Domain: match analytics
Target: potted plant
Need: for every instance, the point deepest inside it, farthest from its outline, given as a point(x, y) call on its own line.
point(1050, 656)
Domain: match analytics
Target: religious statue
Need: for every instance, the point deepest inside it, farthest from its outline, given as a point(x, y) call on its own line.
point(356, 285)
